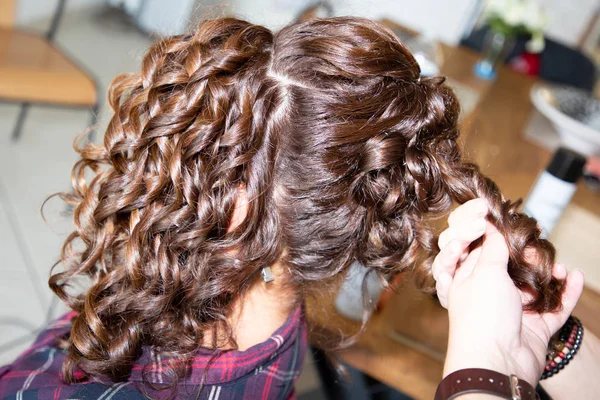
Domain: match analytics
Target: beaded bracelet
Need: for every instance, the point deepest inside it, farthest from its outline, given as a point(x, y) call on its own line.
point(563, 347)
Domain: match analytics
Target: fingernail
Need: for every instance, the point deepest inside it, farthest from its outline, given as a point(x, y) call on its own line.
point(445, 279)
point(481, 224)
point(481, 208)
point(455, 247)
point(582, 272)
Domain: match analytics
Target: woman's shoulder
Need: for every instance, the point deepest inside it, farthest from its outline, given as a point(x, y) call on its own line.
point(270, 367)
point(39, 366)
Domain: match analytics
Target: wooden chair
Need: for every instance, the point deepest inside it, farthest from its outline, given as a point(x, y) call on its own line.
point(34, 71)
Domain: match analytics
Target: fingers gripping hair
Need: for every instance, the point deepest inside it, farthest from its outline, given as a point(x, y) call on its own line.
point(437, 176)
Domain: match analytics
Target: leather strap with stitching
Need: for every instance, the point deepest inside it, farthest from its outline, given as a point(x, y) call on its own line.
point(476, 380)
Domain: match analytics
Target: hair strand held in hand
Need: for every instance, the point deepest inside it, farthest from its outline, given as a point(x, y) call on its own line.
point(343, 151)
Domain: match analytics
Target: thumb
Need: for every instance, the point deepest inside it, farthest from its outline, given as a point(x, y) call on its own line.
point(494, 251)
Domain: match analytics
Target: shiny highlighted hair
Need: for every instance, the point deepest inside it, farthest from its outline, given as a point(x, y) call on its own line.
point(344, 151)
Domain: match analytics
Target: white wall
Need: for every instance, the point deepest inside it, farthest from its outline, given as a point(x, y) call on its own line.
point(165, 17)
point(568, 19)
point(442, 19)
point(29, 11)
point(445, 20)
point(273, 14)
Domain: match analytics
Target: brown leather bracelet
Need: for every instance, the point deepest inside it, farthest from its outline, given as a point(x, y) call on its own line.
point(476, 380)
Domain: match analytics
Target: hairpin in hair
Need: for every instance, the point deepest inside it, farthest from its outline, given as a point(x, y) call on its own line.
point(267, 274)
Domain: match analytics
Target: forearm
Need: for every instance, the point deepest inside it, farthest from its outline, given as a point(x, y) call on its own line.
point(579, 379)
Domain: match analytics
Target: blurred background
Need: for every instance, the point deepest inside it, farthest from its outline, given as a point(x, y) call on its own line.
point(525, 72)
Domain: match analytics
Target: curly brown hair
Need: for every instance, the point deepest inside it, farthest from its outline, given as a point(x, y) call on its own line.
point(342, 147)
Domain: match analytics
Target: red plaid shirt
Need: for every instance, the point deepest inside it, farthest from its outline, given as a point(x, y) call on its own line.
point(265, 371)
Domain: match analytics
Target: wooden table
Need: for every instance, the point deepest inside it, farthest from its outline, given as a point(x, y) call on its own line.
point(404, 345)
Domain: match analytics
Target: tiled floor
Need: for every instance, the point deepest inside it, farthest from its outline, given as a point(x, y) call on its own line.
point(38, 165)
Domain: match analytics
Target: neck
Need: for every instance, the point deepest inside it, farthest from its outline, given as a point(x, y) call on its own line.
point(262, 310)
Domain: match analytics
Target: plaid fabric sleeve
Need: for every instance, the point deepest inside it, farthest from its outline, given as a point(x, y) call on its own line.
point(265, 371)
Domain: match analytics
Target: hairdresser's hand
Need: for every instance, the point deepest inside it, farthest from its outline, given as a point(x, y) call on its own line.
point(488, 328)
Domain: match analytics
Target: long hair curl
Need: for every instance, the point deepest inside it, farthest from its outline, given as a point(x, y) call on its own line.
point(343, 150)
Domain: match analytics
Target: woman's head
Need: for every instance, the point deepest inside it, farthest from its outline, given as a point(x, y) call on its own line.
point(341, 148)
point(355, 177)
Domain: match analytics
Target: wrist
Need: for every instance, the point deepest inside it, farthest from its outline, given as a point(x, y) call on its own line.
point(475, 383)
point(488, 356)
point(578, 379)
point(563, 346)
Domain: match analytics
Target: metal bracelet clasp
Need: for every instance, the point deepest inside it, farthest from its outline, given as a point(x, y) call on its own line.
point(515, 391)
